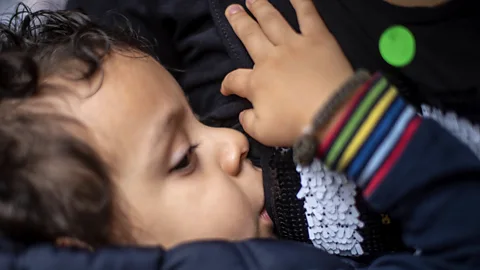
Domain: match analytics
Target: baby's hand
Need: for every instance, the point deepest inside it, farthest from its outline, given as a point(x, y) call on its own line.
point(294, 74)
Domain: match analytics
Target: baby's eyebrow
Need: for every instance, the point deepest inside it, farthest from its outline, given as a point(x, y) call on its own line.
point(173, 117)
point(165, 126)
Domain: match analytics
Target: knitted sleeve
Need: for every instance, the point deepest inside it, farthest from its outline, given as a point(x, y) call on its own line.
point(371, 134)
point(419, 171)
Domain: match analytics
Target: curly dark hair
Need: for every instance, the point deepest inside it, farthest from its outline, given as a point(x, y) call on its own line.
point(53, 184)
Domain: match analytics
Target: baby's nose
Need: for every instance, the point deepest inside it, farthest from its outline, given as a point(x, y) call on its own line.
point(234, 149)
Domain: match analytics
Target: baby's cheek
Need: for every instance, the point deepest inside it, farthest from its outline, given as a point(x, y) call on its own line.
point(265, 230)
point(243, 226)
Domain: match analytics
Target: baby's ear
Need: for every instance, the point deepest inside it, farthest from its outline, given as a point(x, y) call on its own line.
point(70, 242)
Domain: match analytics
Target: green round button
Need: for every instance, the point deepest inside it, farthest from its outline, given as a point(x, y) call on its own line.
point(397, 46)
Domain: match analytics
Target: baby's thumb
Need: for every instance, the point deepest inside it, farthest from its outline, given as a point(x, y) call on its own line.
point(248, 121)
point(237, 83)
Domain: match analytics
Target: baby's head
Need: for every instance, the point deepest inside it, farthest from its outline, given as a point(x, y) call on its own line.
point(98, 143)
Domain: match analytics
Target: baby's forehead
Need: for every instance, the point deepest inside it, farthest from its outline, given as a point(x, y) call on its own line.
point(120, 105)
point(70, 81)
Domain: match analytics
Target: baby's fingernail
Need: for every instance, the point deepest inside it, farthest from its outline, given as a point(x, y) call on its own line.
point(250, 1)
point(234, 9)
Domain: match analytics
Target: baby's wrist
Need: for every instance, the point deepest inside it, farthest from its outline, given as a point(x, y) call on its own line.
point(305, 147)
point(348, 108)
point(369, 133)
point(372, 120)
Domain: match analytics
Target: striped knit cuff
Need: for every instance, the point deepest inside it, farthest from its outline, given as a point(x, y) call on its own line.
point(371, 134)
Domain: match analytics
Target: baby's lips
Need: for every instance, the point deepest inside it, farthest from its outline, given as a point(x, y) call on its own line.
point(264, 215)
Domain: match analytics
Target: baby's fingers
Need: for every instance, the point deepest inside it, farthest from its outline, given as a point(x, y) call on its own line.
point(237, 83)
point(308, 17)
point(275, 27)
point(248, 120)
point(249, 32)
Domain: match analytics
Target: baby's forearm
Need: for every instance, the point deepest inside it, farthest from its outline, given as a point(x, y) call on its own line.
point(409, 167)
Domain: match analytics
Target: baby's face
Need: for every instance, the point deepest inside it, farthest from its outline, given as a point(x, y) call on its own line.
point(178, 180)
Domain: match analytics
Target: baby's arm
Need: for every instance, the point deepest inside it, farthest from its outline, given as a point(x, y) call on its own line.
point(410, 167)
point(418, 172)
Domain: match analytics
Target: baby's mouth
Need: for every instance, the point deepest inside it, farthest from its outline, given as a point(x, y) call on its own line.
point(264, 216)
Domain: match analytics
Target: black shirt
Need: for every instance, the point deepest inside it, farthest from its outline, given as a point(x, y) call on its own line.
point(445, 68)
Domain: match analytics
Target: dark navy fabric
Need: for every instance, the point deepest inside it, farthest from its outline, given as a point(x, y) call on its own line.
point(255, 254)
